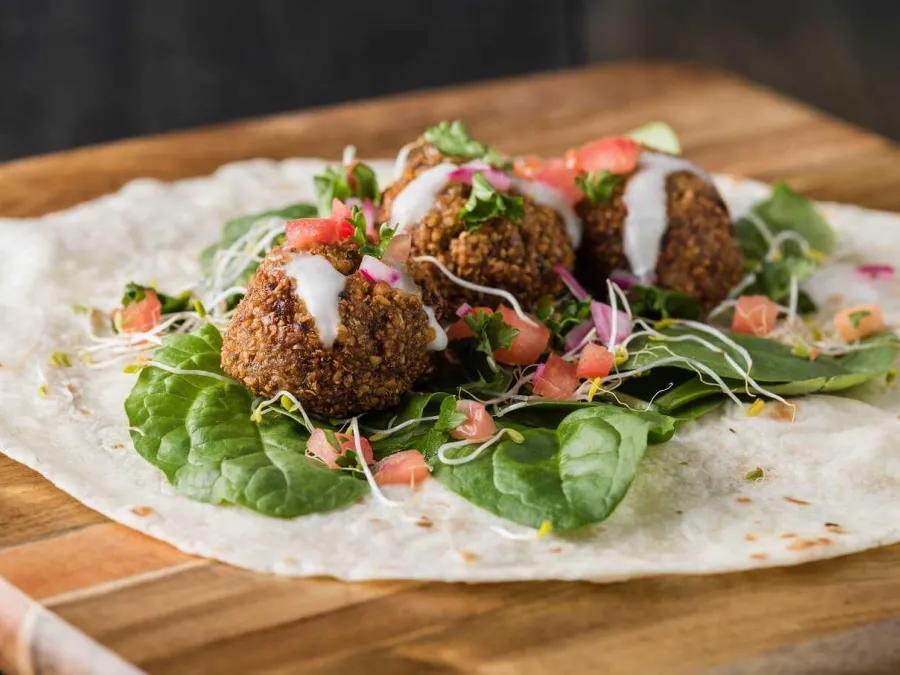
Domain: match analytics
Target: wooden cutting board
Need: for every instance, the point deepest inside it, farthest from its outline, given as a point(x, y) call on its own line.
point(166, 612)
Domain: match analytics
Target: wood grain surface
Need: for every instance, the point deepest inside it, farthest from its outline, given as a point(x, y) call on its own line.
point(166, 612)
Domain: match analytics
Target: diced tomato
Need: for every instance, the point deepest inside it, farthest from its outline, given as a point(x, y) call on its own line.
point(139, 317)
point(460, 330)
point(595, 361)
point(319, 446)
point(552, 172)
point(616, 155)
point(868, 321)
point(339, 210)
point(527, 167)
point(479, 425)
point(304, 232)
point(754, 315)
point(528, 345)
point(404, 468)
point(557, 380)
point(346, 442)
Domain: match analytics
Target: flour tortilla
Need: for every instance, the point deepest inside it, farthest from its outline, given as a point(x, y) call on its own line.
point(832, 477)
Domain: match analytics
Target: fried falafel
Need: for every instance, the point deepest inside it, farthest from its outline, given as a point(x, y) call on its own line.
point(514, 254)
point(698, 253)
point(339, 342)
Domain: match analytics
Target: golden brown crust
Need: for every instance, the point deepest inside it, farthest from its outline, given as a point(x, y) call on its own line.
point(699, 255)
point(380, 350)
point(516, 256)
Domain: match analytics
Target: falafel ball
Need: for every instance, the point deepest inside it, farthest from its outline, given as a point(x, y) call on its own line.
point(380, 347)
point(699, 253)
point(516, 256)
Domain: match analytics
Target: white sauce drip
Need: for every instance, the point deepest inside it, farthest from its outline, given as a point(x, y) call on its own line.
point(408, 286)
point(319, 286)
point(420, 195)
point(440, 337)
point(646, 201)
point(545, 195)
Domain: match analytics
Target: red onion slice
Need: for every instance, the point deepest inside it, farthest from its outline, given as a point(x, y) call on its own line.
point(603, 315)
point(464, 310)
point(375, 271)
point(571, 283)
point(500, 180)
point(876, 271)
point(577, 334)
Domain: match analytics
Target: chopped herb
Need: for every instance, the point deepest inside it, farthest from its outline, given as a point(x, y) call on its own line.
point(890, 377)
point(343, 182)
point(60, 360)
point(653, 302)
point(453, 139)
point(449, 418)
point(486, 203)
point(135, 292)
point(79, 309)
point(562, 317)
point(545, 529)
point(200, 309)
point(43, 391)
point(856, 317)
point(756, 474)
point(490, 332)
point(598, 186)
point(385, 234)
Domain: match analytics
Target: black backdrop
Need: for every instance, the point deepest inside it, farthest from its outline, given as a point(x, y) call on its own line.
point(74, 72)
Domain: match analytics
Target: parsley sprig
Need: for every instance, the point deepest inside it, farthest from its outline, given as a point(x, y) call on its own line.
point(135, 292)
point(489, 331)
point(454, 140)
point(598, 186)
point(485, 203)
point(366, 247)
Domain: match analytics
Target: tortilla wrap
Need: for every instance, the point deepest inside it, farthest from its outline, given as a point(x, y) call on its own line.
point(832, 476)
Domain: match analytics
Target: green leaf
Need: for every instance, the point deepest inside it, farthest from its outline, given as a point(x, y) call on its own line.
point(856, 317)
point(573, 476)
point(657, 136)
point(169, 303)
point(449, 418)
point(343, 182)
point(598, 186)
point(454, 140)
point(485, 203)
point(489, 331)
point(773, 279)
point(786, 210)
point(653, 302)
point(238, 227)
point(197, 431)
point(562, 316)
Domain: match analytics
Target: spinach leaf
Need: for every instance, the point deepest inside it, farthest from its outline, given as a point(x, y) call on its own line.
point(598, 186)
point(572, 477)
point(789, 210)
point(486, 202)
point(197, 431)
point(236, 228)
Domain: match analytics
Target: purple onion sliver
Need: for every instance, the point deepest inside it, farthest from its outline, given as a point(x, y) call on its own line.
point(571, 283)
point(876, 271)
point(602, 315)
point(464, 310)
point(539, 371)
point(577, 334)
point(623, 279)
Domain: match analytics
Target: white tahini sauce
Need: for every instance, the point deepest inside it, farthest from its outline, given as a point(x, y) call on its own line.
point(646, 200)
point(319, 286)
point(400, 162)
point(546, 196)
point(440, 337)
point(408, 286)
point(420, 195)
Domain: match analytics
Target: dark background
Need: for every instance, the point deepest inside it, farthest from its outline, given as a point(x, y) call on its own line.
point(74, 72)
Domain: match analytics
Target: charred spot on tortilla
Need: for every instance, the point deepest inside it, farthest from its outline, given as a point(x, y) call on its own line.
point(795, 500)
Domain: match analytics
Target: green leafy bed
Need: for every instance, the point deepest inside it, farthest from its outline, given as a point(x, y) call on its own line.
point(569, 463)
